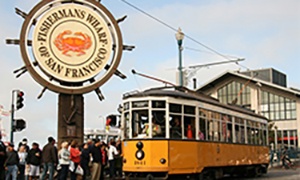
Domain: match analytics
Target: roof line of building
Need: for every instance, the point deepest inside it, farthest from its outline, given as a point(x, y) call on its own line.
point(291, 90)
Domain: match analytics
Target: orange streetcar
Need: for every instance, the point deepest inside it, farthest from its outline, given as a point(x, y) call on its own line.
point(172, 133)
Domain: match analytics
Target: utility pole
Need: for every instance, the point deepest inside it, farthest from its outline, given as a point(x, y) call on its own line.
point(179, 38)
point(12, 117)
point(15, 123)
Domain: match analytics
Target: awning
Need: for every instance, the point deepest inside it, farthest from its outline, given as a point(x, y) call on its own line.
point(292, 138)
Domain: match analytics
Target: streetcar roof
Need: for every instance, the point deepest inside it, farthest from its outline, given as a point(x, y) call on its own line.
point(178, 92)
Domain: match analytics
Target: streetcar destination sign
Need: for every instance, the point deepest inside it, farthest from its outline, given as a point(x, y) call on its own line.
point(71, 43)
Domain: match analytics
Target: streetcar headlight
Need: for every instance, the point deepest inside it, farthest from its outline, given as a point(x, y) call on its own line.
point(140, 154)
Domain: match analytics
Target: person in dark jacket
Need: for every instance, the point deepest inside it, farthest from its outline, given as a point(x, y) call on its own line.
point(97, 158)
point(49, 158)
point(84, 160)
point(2, 158)
point(11, 164)
point(119, 159)
point(33, 160)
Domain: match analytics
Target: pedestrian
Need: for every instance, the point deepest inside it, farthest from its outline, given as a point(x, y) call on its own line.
point(22, 163)
point(26, 170)
point(75, 157)
point(84, 160)
point(2, 158)
point(285, 158)
point(104, 160)
point(90, 143)
point(112, 152)
point(64, 161)
point(24, 143)
point(97, 158)
point(11, 164)
point(49, 158)
point(34, 159)
point(119, 159)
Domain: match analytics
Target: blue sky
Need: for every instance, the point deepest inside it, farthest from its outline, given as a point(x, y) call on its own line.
point(264, 32)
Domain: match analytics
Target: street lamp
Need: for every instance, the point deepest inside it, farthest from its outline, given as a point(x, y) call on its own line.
point(179, 38)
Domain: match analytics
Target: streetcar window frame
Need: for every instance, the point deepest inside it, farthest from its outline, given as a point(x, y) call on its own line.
point(217, 123)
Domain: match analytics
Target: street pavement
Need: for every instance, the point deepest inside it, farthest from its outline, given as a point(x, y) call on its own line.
point(276, 172)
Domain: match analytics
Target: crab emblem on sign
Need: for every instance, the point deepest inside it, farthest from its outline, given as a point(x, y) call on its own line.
point(77, 43)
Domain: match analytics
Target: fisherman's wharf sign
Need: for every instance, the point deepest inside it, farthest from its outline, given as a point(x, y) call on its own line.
point(73, 42)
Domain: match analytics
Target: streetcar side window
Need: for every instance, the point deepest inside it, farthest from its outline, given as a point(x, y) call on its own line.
point(251, 132)
point(176, 130)
point(265, 131)
point(243, 131)
point(203, 124)
point(210, 126)
point(226, 128)
point(256, 132)
point(158, 124)
point(216, 131)
point(175, 124)
point(189, 127)
point(126, 125)
point(260, 134)
point(189, 122)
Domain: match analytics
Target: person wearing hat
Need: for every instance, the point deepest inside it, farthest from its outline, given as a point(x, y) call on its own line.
point(24, 143)
point(11, 164)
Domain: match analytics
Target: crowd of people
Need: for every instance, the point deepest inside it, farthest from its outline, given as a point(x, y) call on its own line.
point(93, 160)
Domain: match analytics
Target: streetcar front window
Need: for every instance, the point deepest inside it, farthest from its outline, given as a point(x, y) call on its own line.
point(140, 123)
point(158, 124)
point(175, 127)
point(143, 128)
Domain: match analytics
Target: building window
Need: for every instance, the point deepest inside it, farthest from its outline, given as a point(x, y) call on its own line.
point(288, 138)
point(235, 91)
point(276, 107)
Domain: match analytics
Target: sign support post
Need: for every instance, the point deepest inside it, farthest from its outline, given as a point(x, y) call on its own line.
point(70, 118)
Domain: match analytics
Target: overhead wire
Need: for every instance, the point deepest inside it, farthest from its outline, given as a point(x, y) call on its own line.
point(174, 29)
point(198, 50)
point(187, 36)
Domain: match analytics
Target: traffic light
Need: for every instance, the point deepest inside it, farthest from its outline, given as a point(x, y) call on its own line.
point(19, 125)
point(20, 99)
point(111, 120)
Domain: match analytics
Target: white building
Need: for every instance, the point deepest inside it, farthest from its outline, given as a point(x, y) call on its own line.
point(264, 91)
